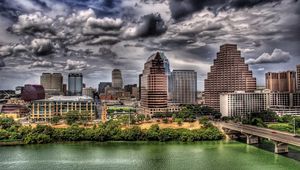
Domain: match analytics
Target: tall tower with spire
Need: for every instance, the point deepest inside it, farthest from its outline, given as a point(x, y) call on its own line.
point(154, 88)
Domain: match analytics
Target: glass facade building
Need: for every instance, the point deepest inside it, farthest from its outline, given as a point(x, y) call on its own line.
point(75, 84)
point(184, 86)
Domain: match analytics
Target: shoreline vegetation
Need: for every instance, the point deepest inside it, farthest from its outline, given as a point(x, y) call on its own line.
point(12, 133)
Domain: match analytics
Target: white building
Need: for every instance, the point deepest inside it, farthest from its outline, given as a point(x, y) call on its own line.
point(241, 103)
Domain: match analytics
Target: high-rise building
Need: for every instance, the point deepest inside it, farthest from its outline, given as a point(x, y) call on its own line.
point(102, 86)
point(298, 77)
point(228, 73)
point(154, 85)
point(140, 85)
point(52, 83)
point(184, 86)
point(168, 74)
point(75, 84)
point(117, 81)
point(131, 89)
point(281, 82)
point(64, 89)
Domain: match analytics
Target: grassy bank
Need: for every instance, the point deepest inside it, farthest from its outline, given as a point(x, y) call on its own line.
point(286, 127)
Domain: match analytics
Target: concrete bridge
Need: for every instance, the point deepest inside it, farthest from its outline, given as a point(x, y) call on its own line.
point(253, 134)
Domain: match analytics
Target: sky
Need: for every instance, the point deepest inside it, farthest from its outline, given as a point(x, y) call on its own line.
point(96, 36)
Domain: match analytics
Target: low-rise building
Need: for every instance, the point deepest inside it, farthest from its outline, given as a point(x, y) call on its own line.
point(15, 111)
point(240, 103)
point(44, 110)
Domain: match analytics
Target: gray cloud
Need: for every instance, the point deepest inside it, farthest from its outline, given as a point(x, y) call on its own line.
point(277, 56)
point(76, 65)
point(42, 64)
point(148, 25)
point(2, 64)
point(42, 46)
point(182, 8)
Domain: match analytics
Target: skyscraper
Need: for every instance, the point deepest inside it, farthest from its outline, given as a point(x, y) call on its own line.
point(52, 83)
point(298, 77)
point(102, 86)
point(140, 86)
point(154, 85)
point(184, 86)
point(75, 84)
point(229, 73)
point(168, 74)
point(281, 82)
point(117, 81)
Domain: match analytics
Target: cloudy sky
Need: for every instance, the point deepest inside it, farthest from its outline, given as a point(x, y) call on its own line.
point(95, 36)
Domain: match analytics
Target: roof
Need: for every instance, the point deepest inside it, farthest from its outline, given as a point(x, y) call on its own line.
point(68, 98)
point(160, 54)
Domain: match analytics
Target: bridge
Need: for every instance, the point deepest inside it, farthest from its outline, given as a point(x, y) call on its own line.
point(253, 134)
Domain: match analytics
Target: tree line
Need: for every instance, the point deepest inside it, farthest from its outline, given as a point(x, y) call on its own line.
point(109, 131)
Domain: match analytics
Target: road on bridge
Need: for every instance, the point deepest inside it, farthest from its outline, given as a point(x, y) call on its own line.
point(274, 135)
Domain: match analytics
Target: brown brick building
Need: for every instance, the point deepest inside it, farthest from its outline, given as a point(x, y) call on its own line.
point(281, 82)
point(228, 73)
point(154, 86)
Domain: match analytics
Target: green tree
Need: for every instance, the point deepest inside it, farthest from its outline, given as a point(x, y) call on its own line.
point(6, 122)
point(72, 117)
point(55, 119)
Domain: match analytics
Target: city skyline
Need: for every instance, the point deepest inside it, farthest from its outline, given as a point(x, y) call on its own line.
point(38, 37)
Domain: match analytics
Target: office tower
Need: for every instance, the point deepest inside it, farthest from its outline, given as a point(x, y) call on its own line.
point(102, 86)
point(117, 81)
point(64, 89)
point(140, 85)
point(33, 92)
point(52, 83)
point(168, 74)
point(131, 89)
point(75, 84)
point(128, 87)
point(154, 86)
point(228, 73)
point(298, 77)
point(281, 82)
point(184, 86)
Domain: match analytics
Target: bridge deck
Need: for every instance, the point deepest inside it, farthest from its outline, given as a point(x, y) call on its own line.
point(274, 135)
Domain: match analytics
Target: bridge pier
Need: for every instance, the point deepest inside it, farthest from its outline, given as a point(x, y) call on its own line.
point(251, 139)
point(281, 147)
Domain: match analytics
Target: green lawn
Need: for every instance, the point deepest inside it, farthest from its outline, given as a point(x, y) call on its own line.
point(283, 127)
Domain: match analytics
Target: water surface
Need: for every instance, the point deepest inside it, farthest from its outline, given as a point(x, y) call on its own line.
point(143, 155)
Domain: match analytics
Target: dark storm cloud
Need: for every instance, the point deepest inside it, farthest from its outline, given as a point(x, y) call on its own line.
point(42, 46)
point(182, 8)
point(2, 64)
point(148, 25)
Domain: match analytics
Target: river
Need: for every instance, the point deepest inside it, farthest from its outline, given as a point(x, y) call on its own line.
point(218, 155)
